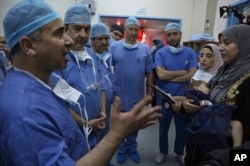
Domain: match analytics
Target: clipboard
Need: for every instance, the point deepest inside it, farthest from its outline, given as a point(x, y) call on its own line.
point(166, 96)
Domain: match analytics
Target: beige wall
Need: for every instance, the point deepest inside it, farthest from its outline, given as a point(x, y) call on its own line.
point(191, 12)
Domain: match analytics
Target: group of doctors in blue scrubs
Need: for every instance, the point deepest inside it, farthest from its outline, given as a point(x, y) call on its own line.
point(54, 78)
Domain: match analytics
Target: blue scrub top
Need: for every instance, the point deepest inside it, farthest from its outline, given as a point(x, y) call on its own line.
point(185, 60)
point(80, 79)
point(107, 77)
point(130, 69)
point(36, 127)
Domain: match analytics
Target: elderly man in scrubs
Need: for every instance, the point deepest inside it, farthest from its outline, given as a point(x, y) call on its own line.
point(38, 128)
point(83, 74)
point(133, 64)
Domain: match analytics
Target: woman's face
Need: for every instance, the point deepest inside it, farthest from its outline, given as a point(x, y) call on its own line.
point(206, 59)
point(228, 49)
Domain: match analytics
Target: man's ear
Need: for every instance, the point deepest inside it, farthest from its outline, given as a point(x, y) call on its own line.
point(26, 44)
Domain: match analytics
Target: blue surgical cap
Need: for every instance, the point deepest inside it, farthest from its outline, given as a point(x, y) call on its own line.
point(98, 30)
point(26, 17)
point(171, 26)
point(77, 14)
point(131, 20)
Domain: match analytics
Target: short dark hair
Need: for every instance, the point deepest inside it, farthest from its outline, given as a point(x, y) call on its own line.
point(36, 35)
point(117, 28)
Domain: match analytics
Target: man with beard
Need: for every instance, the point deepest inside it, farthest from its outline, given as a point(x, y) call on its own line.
point(175, 65)
point(132, 65)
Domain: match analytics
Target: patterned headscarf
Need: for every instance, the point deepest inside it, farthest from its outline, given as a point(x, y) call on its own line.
point(228, 74)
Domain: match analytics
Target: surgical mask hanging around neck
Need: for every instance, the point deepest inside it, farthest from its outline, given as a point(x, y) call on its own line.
point(66, 92)
point(71, 96)
point(175, 50)
point(82, 55)
point(104, 56)
point(130, 46)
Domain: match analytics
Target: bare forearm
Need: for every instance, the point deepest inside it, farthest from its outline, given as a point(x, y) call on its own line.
point(103, 102)
point(170, 75)
point(150, 80)
point(176, 76)
point(186, 77)
point(103, 151)
point(79, 121)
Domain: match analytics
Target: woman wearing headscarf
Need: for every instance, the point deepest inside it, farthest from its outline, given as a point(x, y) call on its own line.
point(156, 45)
point(230, 85)
point(210, 60)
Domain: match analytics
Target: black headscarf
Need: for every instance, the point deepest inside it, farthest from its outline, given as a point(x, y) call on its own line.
point(228, 74)
point(158, 44)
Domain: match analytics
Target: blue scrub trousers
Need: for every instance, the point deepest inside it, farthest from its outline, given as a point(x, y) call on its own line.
point(129, 144)
point(180, 130)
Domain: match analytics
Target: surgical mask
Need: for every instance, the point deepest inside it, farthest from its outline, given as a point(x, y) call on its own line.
point(130, 46)
point(89, 85)
point(104, 56)
point(66, 92)
point(81, 55)
point(69, 94)
point(175, 50)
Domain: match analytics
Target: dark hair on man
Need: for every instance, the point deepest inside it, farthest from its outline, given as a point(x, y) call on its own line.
point(117, 28)
point(36, 35)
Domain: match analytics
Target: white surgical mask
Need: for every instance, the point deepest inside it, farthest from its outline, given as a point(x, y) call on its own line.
point(103, 56)
point(71, 95)
point(130, 46)
point(66, 92)
point(81, 55)
point(89, 85)
point(175, 50)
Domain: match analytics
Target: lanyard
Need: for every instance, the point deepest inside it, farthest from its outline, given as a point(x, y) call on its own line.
point(87, 82)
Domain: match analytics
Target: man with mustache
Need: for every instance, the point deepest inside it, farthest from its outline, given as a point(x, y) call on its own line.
point(82, 73)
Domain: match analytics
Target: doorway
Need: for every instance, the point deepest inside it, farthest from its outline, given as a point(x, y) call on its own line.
point(152, 28)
